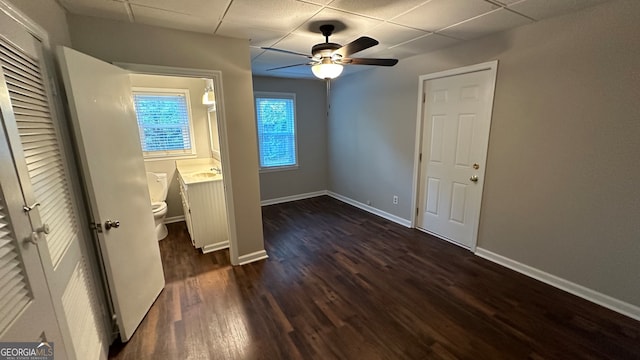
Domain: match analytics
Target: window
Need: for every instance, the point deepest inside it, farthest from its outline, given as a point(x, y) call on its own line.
point(276, 123)
point(164, 122)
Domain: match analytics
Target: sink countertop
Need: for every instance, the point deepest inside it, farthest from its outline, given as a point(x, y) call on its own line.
point(199, 176)
point(194, 171)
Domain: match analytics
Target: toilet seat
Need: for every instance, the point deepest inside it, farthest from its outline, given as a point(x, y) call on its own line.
point(157, 207)
point(158, 187)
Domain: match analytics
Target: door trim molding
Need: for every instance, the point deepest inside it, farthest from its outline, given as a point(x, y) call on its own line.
point(31, 26)
point(492, 67)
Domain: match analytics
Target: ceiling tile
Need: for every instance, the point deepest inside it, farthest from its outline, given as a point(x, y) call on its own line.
point(439, 14)
point(542, 9)
point(381, 9)
point(495, 21)
point(427, 43)
point(257, 37)
point(104, 9)
point(170, 19)
point(392, 34)
point(354, 25)
point(278, 15)
point(388, 35)
point(201, 8)
point(403, 27)
point(300, 42)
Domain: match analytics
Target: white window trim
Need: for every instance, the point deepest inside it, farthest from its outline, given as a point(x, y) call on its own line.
point(278, 95)
point(170, 155)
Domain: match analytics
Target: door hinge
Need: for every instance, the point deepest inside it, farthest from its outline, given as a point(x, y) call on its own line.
point(52, 84)
point(424, 97)
point(420, 157)
point(95, 226)
point(115, 331)
point(417, 209)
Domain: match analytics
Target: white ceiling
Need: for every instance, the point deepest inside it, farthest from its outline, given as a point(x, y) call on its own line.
point(403, 27)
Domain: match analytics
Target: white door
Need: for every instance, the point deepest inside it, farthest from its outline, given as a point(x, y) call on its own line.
point(26, 308)
point(456, 121)
point(106, 134)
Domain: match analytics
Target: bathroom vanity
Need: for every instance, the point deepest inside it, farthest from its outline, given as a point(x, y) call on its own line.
point(203, 202)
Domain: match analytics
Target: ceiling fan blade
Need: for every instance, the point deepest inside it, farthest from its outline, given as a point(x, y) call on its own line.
point(355, 46)
point(288, 66)
point(286, 52)
point(369, 61)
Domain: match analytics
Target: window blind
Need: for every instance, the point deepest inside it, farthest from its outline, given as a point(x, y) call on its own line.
point(163, 120)
point(276, 131)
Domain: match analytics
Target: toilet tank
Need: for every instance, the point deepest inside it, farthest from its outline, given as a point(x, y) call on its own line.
point(158, 186)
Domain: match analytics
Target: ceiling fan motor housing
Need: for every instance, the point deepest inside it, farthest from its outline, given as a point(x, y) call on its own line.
point(323, 50)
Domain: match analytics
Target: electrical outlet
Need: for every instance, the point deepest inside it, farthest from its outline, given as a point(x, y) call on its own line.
point(395, 199)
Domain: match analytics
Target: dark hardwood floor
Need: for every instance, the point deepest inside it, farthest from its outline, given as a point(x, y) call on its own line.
point(344, 284)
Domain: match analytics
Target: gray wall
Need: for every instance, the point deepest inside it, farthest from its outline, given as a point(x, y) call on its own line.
point(561, 189)
point(311, 122)
point(114, 41)
point(200, 129)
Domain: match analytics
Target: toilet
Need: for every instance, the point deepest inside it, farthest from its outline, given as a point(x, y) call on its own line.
point(158, 186)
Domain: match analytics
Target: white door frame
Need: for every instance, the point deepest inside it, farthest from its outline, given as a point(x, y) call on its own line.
point(492, 67)
point(216, 76)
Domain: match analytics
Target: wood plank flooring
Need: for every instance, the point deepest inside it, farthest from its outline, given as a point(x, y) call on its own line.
point(344, 284)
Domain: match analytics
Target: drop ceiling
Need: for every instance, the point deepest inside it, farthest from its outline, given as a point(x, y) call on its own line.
point(403, 27)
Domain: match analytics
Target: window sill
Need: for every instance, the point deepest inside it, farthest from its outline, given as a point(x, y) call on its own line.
point(169, 157)
point(278, 168)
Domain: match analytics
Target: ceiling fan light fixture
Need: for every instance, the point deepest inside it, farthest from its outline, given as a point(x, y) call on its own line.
point(326, 71)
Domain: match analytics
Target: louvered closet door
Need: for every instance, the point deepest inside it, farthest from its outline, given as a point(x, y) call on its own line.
point(40, 160)
point(26, 308)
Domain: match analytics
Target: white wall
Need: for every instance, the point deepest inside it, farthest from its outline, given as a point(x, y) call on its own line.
point(115, 41)
point(200, 129)
point(561, 189)
point(311, 121)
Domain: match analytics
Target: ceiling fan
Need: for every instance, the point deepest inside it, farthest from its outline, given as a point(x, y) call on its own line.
point(327, 58)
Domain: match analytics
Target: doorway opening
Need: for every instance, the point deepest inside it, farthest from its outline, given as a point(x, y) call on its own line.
point(209, 159)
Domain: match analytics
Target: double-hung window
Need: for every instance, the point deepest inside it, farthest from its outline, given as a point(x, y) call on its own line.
point(276, 123)
point(164, 122)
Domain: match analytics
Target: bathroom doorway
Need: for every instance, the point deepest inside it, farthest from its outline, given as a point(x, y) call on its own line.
point(208, 129)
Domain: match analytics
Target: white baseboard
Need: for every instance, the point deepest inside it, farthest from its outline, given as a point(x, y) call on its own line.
point(293, 198)
point(371, 209)
point(616, 305)
point(174, 219)
point(215, 247)
point(254, 256)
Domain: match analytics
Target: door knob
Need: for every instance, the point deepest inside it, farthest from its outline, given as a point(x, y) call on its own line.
point(111, 224)
point(28, 208)
point(474, 178)
point(35, 236)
